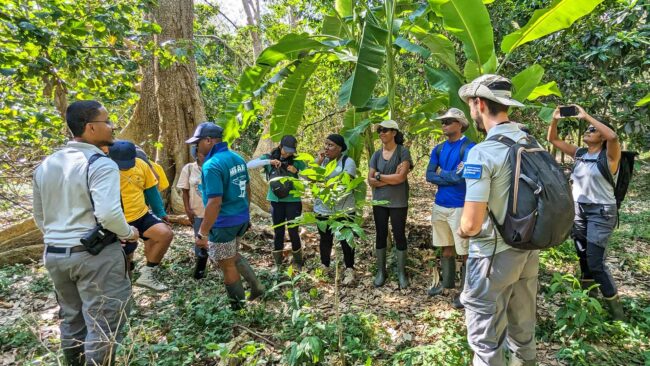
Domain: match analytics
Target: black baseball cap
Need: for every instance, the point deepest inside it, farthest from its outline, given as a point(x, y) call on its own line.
point(289, 144)
point(205, 129)
point(123, 153)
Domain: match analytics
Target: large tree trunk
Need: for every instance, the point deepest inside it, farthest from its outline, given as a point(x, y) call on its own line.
point(143, 125)
point(259, 186)
point(253, 18)
point(180, 107)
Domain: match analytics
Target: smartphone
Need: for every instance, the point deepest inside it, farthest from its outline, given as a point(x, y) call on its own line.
point(568, 111)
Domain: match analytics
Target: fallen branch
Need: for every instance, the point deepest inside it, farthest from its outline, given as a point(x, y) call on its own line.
point(257, 335)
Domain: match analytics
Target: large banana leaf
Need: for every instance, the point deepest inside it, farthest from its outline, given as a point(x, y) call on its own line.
point(406, 45)
point(470, 22)
point(526, 81)
point(333, 26)
point(442, 49)
point(559, 15)
point(544, 90)
point(372, 53)
point(292, 46)
point(354, 125)
point(447, 81)
point(290, 104)
point(345, 8)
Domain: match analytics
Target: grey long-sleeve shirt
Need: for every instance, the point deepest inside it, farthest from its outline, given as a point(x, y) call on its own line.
point(62, 207)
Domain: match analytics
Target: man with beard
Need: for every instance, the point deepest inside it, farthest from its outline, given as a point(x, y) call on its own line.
point(76, 189)
point(499, 301)
point(444, 170)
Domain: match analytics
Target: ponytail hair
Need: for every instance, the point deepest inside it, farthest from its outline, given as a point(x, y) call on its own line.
point(399, 138)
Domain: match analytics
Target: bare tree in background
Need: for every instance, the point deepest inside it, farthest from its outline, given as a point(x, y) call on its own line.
point(254, 20)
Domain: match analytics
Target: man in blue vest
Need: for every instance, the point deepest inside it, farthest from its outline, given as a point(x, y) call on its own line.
point(226, 190)
point(444, 170)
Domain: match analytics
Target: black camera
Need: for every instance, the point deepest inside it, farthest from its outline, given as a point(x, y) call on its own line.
point(97, 239)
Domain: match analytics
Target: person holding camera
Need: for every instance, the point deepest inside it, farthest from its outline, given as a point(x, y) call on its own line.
point(76, 193)
point(285, 205)
point(388, 177)
point(139, 190)
point(595, 203)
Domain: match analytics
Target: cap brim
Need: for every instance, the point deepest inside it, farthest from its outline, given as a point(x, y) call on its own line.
point(192, 140)
point(125, 164)
point(506, 101)
point(289, 150)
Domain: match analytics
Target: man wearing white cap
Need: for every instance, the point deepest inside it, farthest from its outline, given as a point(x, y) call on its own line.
point(499, 303)
point(445, 171)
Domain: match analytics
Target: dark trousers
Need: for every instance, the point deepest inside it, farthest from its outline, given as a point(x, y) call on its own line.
point(592, 226)
point(397, 221)
point(327, 241)
point(282, 212)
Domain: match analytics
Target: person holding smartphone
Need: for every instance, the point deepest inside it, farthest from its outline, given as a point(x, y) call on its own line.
point(595, 203)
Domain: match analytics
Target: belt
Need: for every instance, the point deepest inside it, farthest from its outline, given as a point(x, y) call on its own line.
point(66, 250)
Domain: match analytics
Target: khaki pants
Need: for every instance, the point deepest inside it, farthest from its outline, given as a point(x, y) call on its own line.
point(502, 308)
point(93, 292)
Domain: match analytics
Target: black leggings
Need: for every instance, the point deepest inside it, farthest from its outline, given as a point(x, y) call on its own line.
point(397, 221)
point(282, 212)
point(326, 243)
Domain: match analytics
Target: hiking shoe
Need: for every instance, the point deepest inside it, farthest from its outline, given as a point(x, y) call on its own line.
point(148, 278)
point(348, 277)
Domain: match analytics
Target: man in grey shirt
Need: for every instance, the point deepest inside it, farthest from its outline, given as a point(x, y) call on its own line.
point(499, 306)
point(71, 197)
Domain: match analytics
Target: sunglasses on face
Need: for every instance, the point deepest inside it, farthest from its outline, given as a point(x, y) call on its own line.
point(448, 122)
point(383, 130)
point(590, 129)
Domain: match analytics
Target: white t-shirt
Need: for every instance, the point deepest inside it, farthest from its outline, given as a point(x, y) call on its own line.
point(190, 178)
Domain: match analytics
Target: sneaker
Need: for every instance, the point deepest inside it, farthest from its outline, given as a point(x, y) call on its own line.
point(148, 279)
point(348, 277)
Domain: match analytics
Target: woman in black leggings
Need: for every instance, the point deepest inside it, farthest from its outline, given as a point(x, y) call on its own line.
point(389, 168)
point(284, 205)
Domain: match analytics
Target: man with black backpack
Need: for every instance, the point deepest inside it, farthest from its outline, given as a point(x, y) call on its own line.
point(501, 284)
point(600, 178)
point(444, 170)
point(77, 207)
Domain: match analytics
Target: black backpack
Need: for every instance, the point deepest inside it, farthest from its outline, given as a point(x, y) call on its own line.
point(625, 170)
point(540, 204)
point(278, 180)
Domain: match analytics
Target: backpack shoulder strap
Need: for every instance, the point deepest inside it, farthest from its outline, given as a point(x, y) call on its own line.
point(580, 152)
point(502, 139)
point(439, 150)
point(603, 167)
point(463, 148)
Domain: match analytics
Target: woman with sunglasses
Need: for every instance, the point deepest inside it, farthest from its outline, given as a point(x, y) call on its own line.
point(595, 203)
point(389, 168)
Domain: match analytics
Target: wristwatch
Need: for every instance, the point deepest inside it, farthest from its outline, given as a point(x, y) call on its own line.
point(200, 236)
point(378, 176)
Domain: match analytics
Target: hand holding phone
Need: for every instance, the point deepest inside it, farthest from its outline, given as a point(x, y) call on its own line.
point(568, 111)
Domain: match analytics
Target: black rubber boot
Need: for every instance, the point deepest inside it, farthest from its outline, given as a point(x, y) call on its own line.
point(246, 271)
point(401, 269)
point(380, 278)
point(236, 294)
point(586, 283)
point(456, 302)
point(615, 308)
point(448, 265)
point(199, 267)
point(297, 258)
point(74, 356)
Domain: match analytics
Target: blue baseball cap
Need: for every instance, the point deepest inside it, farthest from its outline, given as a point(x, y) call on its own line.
point(205, 129)
point(123, 153)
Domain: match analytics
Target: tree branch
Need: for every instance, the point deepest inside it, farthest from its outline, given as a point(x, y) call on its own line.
point(225, 44)
point(324, 118)
point(218, 10)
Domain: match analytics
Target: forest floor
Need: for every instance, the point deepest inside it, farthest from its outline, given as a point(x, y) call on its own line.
point(296, 323)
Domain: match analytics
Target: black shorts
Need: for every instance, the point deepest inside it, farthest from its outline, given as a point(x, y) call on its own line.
point(144, 223)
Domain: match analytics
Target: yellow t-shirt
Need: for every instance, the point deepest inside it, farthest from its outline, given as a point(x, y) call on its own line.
point(163, 183)
point(133, 182)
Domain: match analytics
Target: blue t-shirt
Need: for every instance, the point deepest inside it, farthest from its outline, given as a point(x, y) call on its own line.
point(224, 174)
point(451, 185)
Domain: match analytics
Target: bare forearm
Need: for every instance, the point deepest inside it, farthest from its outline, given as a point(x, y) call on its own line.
point(210, 215)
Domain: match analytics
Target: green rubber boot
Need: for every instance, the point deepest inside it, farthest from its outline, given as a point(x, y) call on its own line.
point(380, 277)
point(448, 265)
point(246, 271)
point(236, 294)
point(401, 269)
